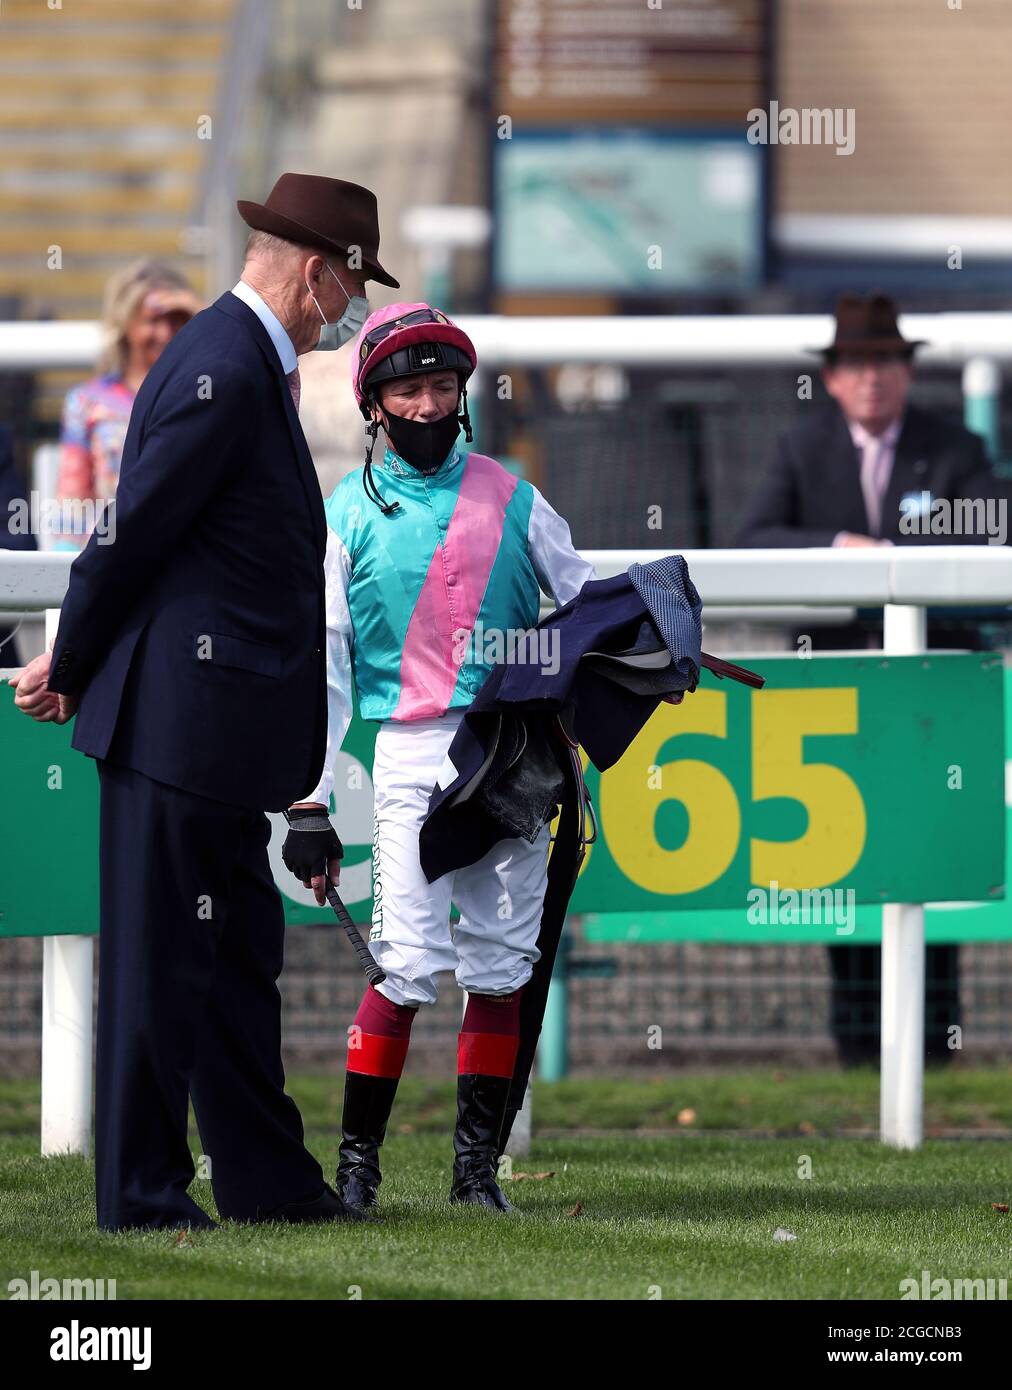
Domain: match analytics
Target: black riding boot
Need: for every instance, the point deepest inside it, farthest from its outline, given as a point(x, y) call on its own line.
point(481, 1104)
point(367, 1104)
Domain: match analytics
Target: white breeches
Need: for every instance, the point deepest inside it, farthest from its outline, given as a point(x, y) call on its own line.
point(492, 949)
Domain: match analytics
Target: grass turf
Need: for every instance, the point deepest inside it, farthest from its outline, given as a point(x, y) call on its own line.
point(628, 1217)
point(760, 1099)
point(621, 1219)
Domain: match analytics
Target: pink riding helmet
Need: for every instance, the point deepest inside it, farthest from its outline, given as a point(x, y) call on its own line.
point(412, 324)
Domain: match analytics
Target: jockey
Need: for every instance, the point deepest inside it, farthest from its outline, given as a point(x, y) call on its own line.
point(434, 552)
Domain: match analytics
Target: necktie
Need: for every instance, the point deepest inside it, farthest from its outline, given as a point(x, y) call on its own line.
point(295, 386)
point(874, 464)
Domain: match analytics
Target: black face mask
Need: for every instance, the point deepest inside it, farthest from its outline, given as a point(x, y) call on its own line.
point(423, 444)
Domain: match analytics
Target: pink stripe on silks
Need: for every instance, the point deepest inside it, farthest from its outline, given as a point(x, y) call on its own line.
point(428, 670)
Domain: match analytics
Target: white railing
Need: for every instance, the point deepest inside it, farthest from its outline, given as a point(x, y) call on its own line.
point(687, 341)
point(903, 580)
point(865, 577)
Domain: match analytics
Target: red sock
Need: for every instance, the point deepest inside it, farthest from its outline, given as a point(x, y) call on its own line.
point(490, 1035)
point(378, 1039)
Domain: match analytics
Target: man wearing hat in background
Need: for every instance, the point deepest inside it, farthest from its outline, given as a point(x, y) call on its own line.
point(193, 654)
point(840, 478)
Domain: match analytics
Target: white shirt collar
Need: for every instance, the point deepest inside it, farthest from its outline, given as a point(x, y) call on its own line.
point(282, 343)
point(888, 437)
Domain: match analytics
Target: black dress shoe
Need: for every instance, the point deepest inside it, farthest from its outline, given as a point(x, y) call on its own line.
point(327, 1207)
point(166, 1223)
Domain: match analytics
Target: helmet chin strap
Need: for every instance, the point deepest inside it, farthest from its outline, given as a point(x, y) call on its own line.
point(368, 481)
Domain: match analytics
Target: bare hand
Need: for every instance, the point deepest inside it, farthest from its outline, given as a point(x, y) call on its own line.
point(33, 697)
point(850, 539)
point(319, 884)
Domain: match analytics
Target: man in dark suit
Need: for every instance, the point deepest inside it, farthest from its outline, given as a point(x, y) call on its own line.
point(864, 471)
point(192, 650)
point(856, 472)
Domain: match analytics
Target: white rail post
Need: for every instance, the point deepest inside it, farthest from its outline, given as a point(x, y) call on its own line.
point(519, 1145)
point(66, 1044)
point(66, 1029)
point(901, 1101)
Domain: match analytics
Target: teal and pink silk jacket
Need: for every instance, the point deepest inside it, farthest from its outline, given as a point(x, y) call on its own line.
point(420, 604)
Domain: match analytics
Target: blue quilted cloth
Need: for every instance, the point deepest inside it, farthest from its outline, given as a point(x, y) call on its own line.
point(675, 606)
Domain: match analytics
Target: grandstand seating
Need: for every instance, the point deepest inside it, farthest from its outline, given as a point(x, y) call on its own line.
point(100, 102)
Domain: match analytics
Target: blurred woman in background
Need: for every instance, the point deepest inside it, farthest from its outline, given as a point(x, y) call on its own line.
point(146, 304)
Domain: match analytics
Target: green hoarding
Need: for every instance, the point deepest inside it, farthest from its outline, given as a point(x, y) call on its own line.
point(881, 778)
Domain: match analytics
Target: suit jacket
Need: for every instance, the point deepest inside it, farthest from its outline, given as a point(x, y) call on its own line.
point(813, 489)
point(196, 640)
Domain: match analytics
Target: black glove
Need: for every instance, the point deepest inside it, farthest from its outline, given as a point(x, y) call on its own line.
point(310, 842)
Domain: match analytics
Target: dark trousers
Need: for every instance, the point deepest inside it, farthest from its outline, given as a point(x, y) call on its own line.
point(191, 946)
point(857, 1001)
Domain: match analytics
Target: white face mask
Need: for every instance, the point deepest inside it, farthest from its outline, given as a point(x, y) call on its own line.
point(335, 335)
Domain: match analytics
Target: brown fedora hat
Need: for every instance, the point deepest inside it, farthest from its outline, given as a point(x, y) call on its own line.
point(867, 324)
point(326, 213)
